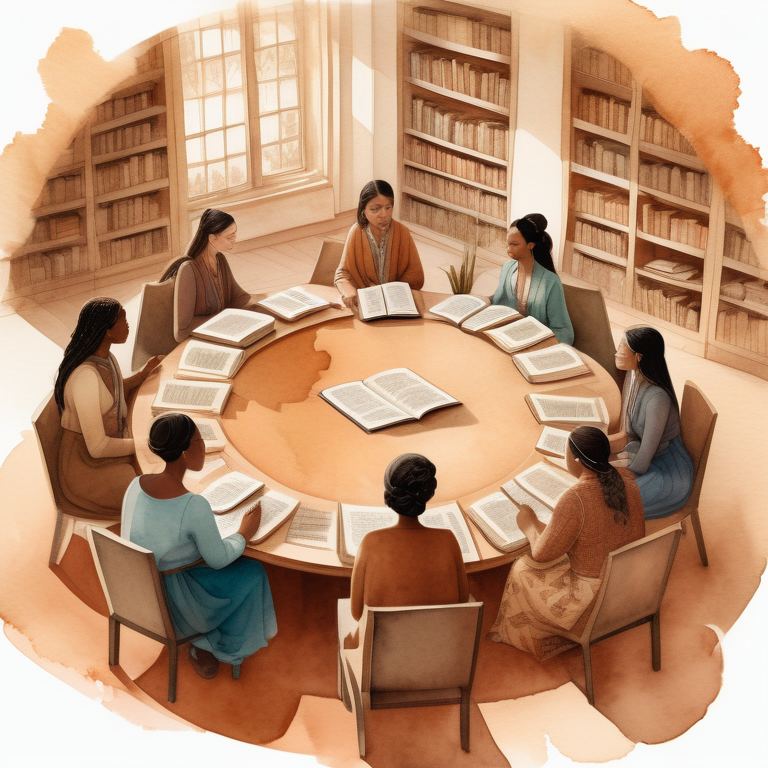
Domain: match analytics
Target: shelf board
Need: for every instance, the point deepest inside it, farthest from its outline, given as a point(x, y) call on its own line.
point(484, 217)
point(67, 205)
point(588, 250)
point(601, 221)
point(671, 155)
point(136, 229)
point(694, 287)
point(460, 179)
point(456, 148)
point(741, 352)
point(606, 178)
point(129, 151)
point(594, 83)
point(672, 244)
point(462, 98)
point(467, 50)
point(747, 269)
point(135, 191)
point(52, 245)
point(681, 202)
point(606, 133)
point(757, 309)
point(133, 117)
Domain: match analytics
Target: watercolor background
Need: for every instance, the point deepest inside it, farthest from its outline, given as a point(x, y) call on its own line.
point(43, 721)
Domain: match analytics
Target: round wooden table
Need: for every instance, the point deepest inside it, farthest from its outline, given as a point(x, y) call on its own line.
point(283, 433)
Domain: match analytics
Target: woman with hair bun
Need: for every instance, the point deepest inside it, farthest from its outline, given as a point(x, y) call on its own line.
point(529, 283)
point(655, 453)
point(210, 588)
point(551, 588)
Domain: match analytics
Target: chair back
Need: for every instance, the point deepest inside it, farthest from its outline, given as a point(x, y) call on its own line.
point(131, 584)
point(591, 326)
point(327, 262)
point(634, 581)
point(154, 329)
point(46, 422)
point(421, 648)
point(697, 425)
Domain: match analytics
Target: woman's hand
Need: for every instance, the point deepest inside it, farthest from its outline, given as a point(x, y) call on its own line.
point(250, 522)
point(526, 517)
point(150, 366)
point(350, 300)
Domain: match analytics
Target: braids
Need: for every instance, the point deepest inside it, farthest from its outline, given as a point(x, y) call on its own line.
point(533, 227)
point(96, 317)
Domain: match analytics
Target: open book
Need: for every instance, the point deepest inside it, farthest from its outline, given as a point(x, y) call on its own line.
point(195, 396)
point(229, 491)
point(356, 521)
point(211, 362)
point(276, 508)
point(559, 409)
point(212, 434)
point(386, 300)
point(387, 398)
point(316, 528)
point(239, 327)
point(519, 334)
point(543, 482)
point(553, 442)
point(473, 313)
point(292, 304)
point(551, 364)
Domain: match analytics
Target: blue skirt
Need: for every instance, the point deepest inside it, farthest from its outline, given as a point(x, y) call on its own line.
point(667, 484)
point(232, 606)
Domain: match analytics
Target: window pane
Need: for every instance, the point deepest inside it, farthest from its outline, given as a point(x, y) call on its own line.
point(269, 129)
point(211, 42)
point(234, 73)
point(214, 145)
point(266, 64)
point(291, 157)
point(195, 150)
point(237, 170)
point(192, 116)
point(231, 38)
point(216, 179)
point(191, 81)
point(235, 140)
point(287, 60)
point(235, 108)
point(285, 26)
point(289, 93)
point(270, 159)
point(213, 76)
point(267, 97)
point(189, 46)
point(289, 124)
point(213, 116)
point(265, 32)
point(196, 180)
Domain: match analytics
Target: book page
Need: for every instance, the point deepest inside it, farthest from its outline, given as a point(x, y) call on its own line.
point(450, 516)
point(235, 324)
point(489, 317)
point(292, 302)
point(399, 299)
point(520, 497)
point(409, 391)
point(229, 522)
point(364, 405)
point(520, 333)
point(371, 302)
point(357, 521)
point(500, 515)
point(578, 410)
point(561, 357)
point(275, 509)
point(195, 396)
point(230, 490)
point(553, 440)
point(210, 358)
point(458, 308)
point(212, 434)
point(545, 483)
point(313, 528)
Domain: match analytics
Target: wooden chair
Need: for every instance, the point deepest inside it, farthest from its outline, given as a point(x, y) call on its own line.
point(154, 329)
point(327, 262)
point(70, 519)
point(697, 425)
point(591, 327)
point(414, 657)
point(633, 582)
point(135, 596)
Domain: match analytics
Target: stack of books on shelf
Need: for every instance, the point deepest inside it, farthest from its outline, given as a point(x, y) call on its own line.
point(675, 305)
point(677, 270)
point(56, 227)
point(671, 224)
point(127, 105)
point(605, 156)
point(459, 29)
point(674, 180)
point(424, 153)
point(607, 205)
point(456, 193)
point(122, 138)
point(608, 277)
point(137, 169)
point(756, 293)
point(742, 329)
point(459, 226)
point(62, 189)
point(135, 247)
point(603, 239)
point(656, 130)
point(737, 247)
point(605, 111)
point(600, 64)
point(127, 213)
point(460, 76)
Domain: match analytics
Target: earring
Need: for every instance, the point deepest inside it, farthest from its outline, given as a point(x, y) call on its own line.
point(576, 460)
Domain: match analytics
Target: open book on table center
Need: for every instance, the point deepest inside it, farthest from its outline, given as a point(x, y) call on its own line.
point(387, 300)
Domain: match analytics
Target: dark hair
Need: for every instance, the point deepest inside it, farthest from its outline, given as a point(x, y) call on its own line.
point(409, 483)
point(593, 449)
point(96, 317)
point(370, 190)
point(649, 343)
point(170, 435)
point(533, 227)
point(212, 222)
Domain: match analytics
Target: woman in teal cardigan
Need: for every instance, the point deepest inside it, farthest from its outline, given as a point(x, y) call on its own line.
point(529, 282)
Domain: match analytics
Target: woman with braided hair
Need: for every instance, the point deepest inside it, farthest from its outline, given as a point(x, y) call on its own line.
point(550, 589)
point(529, 283)
point(96, 457)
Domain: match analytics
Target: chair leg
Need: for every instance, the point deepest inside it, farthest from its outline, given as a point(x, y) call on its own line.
point(173, 661)
point(586, 652)
point(656, 641)
point(114, 641)
point(65, 528)
point(357, 707)
point(464, 720)
point(235, 671)
point(341, 685)
point(696, 523)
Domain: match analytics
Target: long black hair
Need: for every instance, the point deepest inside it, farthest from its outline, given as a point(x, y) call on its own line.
point(96, 317)
point(170, 435)
point(533, 228)
point(592, 448)
point(409, 483)
point(212, 222)
point(369, 191)
point(649, 343)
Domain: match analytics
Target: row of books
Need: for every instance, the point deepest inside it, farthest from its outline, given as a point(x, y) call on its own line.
point(38, 267)
point(608, 240)
point(656, 130)
point(459, 226)
point(752, 291)
point(599, 64)
point(127, 213)
point(460, 29)
point(456, 193)
point(675, 305)
point(742, 329)
point(599, 202)
point(123, 138)
point(431, 155)
point(491, 237)
point(134, 247)
point(151, 60)
point(737, 247)
point(674, 225)
point(134, 170)
point(604, 156)
point(608, 277)
point(460, 76)
point(675, 180)
point(484, 136)
point(56, 227)
point(605, 111)
point(62, 189)
point(127, 105)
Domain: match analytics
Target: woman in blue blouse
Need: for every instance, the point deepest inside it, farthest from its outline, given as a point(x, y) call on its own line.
point(529, 282)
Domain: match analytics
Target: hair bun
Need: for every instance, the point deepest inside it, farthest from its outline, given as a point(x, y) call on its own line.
point(538, 220)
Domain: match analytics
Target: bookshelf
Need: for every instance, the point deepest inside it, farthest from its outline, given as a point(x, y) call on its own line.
point(107, 205)
point(456, 116)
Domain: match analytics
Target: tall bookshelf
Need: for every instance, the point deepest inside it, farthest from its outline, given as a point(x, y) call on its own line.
point(456, 115)
point(107, 206)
